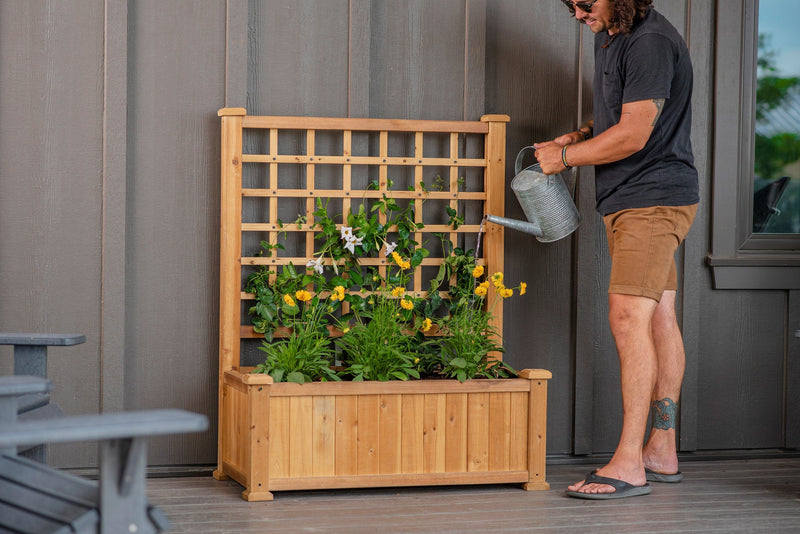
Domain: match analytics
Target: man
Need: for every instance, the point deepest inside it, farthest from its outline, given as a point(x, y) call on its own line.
point(647, 193)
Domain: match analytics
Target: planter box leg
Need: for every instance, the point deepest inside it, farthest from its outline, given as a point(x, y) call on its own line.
point(537, 434)
point(258, 451)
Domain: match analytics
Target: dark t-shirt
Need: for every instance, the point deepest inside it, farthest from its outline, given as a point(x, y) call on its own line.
point(652, 62)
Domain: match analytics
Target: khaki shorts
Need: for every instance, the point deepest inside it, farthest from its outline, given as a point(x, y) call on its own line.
point(642, 243)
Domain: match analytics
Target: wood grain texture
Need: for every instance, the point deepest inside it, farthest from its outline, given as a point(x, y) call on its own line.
point(727, 496)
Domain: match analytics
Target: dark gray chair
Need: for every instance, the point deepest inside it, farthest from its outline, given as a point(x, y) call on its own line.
point(30, 358)
point(38, 498)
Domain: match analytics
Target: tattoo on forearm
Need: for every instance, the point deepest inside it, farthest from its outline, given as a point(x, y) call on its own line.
point(663, 413)
point(659, 102)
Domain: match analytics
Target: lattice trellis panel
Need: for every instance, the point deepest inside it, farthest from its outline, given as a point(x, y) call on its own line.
point(274, 169)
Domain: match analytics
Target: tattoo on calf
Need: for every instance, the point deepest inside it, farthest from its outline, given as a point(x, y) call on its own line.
point(663, 413)
point(659, 102)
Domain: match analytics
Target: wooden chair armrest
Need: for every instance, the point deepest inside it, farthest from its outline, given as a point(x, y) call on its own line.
point(102, 427)
point(21, 338)
point(15, 386)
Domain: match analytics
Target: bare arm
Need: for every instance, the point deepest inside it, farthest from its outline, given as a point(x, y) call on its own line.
point(623, 139)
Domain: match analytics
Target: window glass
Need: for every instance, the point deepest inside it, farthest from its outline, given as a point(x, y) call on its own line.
point(776, 187)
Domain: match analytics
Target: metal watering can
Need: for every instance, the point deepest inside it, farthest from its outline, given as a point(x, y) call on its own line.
point(547, 203)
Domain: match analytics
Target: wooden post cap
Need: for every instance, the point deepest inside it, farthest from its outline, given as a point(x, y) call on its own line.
point(226, 112)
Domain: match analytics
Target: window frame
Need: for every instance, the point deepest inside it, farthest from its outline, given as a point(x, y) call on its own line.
point(739, 258)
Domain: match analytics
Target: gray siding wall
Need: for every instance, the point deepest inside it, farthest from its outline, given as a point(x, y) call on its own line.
point(109, 197)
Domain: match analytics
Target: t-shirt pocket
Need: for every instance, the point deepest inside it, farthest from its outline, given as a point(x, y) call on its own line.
point(612, 92)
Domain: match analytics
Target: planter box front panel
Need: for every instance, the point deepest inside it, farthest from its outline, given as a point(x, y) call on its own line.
point(338, 435)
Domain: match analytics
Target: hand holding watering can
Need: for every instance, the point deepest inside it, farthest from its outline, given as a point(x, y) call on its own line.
point(547, 203)
point(549, 154)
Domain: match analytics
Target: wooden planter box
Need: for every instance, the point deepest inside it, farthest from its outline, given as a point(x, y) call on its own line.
point(343, 435)
point(375, 434)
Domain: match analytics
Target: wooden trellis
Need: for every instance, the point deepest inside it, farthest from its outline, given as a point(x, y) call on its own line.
point(236, 123)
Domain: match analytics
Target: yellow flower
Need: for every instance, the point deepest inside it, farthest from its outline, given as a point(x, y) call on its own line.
point(426, 324)
point(416, 360)
point(407, 304)
point(337, 293)
point(398, 259)
point(497, 278)
point(398, 291)
point(345, 330)
point(480, 290)
point(523, 287)
point(302, 295)
point(477, 272)
point(505, 292)
point(287, 298)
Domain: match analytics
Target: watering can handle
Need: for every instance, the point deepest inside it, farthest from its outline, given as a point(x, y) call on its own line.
point(518, 162)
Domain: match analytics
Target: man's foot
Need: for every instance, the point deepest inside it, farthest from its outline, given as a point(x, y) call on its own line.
point(660, 456)
point(621, 489)
point(593, 485)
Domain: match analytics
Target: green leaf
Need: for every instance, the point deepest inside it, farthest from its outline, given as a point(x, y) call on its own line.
point(296, 377)
point(290, 310)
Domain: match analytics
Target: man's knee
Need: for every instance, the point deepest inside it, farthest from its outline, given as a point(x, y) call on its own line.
point(627, 313)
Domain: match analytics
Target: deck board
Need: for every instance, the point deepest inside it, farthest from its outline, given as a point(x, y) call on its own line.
point(715, 496)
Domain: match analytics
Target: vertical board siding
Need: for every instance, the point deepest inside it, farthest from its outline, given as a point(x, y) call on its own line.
point(696, 280)
point(417, 59)
point(298, 58)
point(51, 192)
point(176, 68)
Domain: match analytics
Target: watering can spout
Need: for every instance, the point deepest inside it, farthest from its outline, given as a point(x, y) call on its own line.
point(522, 226)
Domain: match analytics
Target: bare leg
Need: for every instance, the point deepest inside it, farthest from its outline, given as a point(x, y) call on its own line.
point(631, 323)
point(660, 452)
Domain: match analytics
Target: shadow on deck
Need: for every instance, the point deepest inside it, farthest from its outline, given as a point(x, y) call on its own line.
point(724, 496)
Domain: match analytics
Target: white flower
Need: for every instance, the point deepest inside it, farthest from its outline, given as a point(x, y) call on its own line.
point(347, 232)
point(316, 264)
point(390, 248)
point(351, 243)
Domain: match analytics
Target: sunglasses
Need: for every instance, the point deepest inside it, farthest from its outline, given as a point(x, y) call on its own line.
point(585, 6)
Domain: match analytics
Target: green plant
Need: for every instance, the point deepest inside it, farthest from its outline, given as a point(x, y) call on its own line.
point(271, 310)
point(376, 346)
point(386, 333)
point(469, 339)
point(306, 355)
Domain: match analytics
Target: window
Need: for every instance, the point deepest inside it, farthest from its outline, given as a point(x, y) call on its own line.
point(756, 148)
point(776, 165)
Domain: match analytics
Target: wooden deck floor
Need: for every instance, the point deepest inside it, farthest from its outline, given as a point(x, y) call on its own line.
point(715, 496)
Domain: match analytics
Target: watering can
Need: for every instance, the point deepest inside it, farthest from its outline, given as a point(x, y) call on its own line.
point(547, 203)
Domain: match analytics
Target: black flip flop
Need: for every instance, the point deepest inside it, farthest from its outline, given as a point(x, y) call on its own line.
point(652, 476)
point(623, 489)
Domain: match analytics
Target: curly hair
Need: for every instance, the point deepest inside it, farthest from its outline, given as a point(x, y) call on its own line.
point(626, 13)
